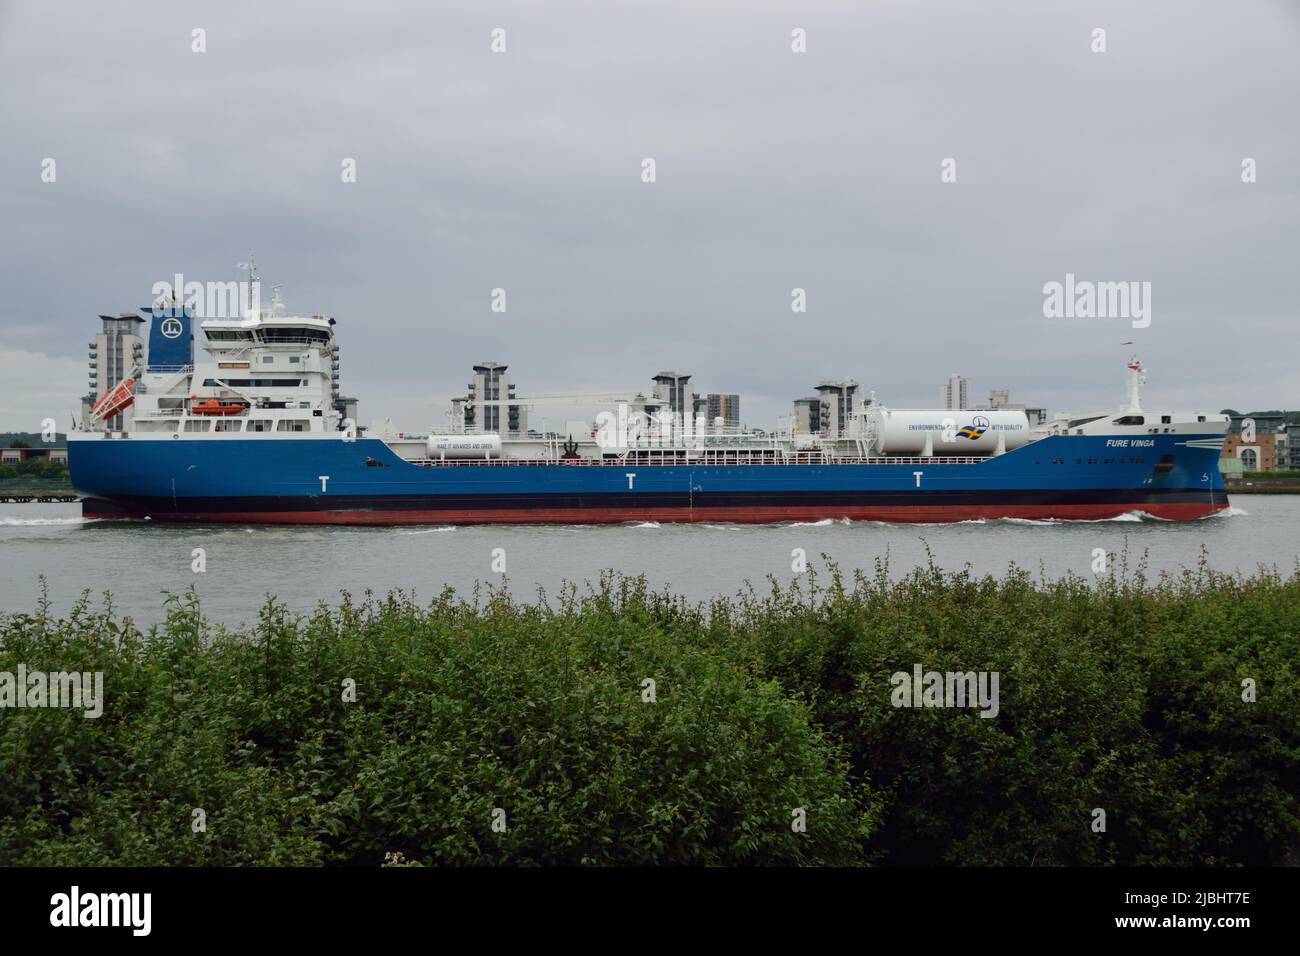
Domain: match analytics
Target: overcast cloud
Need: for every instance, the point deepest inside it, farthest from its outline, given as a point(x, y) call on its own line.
point(775, 170)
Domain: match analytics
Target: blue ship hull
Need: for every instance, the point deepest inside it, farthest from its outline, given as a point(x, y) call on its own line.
point(332, 481)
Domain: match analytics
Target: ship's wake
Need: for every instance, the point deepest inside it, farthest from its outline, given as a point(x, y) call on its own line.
point(8, 521)
point(1232, 511)
point(1126, 517)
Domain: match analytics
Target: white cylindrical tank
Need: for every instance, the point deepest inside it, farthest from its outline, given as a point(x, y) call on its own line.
point(464, 446)
point(946, 432)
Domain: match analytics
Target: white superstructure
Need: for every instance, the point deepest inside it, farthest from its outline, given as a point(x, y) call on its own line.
point(266, 373)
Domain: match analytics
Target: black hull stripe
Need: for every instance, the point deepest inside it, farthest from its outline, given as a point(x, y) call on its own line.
point(633, 500)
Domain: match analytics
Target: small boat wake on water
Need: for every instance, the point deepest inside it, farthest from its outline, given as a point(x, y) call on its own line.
point(257, 433)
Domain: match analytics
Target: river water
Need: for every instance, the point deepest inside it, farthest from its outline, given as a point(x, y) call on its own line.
point(137, 561)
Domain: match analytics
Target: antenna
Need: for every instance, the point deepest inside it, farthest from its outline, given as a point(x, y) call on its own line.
point(253, 279)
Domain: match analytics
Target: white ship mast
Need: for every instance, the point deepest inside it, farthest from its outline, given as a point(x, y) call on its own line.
point(1135, 382)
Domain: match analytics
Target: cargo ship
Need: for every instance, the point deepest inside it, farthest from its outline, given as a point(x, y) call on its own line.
point(256, 432)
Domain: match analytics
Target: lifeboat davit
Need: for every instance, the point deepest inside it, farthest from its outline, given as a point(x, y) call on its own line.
point(213, 407)
point(116, 399)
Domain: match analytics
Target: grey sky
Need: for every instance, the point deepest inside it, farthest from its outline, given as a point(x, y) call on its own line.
point(775, 170)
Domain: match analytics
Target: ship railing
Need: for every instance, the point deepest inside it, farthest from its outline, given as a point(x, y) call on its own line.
point(681, 462)
point(932, 460)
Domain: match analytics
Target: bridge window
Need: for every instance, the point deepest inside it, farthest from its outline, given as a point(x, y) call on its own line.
point(1131, 420)
point(214, 335)
point(1083, 421)
point(255, 382)
point(295, 335)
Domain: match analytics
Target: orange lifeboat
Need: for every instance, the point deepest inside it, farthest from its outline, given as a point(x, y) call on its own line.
point(116, 399)
point(213, 407)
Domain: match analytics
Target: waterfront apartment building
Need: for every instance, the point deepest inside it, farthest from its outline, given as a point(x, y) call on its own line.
point(1264, 450)
point(810, 414)
point(726, 407)
point(830, 412)
point(1293, 447)
point(115, 353)
point(844, 398)
point(487, 406)
point(953, 394)
point(675, 390)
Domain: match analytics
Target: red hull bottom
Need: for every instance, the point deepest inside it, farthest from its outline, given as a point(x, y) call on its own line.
point(1172, 511)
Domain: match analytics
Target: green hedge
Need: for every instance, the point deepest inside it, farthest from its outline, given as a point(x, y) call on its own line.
point(35, 468)
point(460, 709)
point(1125, 695)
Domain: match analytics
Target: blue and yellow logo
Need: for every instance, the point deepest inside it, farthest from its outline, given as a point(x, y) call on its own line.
point(978, 426)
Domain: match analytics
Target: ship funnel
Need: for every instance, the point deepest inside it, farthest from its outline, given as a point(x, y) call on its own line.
point(171, 337)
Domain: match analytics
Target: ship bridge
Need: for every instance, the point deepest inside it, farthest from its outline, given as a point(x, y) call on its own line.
point(267, 371)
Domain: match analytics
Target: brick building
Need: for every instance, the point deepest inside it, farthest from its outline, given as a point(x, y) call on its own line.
point(1262, 450)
